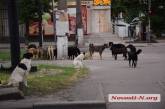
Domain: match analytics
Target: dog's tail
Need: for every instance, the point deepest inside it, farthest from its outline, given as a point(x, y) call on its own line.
point(138, 51)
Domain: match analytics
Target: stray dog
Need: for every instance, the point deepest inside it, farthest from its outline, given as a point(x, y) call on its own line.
point(99, 48)
point(32, 48)
point(50, 52)
point(34, 51)
point(73, 52)
point(19, 74)
point(118, 49)
point(133, 55)
point(78, 61)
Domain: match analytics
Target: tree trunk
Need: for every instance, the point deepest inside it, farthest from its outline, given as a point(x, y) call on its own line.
point(78, 14)
point(14, 33)
point(26, 32)
point(79, 27)
point(62, 5)
point(40, 24)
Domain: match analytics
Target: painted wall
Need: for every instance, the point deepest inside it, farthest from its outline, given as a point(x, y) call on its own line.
point(101, 21)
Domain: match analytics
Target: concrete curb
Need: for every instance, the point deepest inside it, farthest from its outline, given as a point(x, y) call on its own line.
point(71, 105)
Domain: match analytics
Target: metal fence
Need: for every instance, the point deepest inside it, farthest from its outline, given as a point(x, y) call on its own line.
point(4, 27)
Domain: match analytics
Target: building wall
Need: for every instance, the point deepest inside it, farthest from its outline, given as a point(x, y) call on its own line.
point(98, 17)
point(101, 20)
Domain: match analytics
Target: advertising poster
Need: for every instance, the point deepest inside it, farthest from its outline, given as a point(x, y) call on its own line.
point(84, 18)
point(47, 24)
point(72, 19)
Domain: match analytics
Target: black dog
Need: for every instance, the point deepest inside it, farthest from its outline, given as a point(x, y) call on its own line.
point(118, 49)
point(73, 51)
point(99, 48)
point(133, 55)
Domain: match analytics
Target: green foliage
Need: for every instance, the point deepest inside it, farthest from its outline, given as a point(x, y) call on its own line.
point(132, 9)
point(29, 9)
point(158, 16)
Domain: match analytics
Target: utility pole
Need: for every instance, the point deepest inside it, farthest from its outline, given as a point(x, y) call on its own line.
point(54, 21)
point(40, 23)
point(14, 33)
point(79, 26)
point(62, 29)
point(149, 21)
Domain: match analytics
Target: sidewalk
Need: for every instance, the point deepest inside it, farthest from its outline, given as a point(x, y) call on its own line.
point(95, 38)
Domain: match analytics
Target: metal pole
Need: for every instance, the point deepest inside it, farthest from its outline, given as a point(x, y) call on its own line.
point(40, 23)
point(149, 21)
point(14, 33)
point(54, 21)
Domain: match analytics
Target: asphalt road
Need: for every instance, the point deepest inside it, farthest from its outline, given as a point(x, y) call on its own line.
point(108, 76)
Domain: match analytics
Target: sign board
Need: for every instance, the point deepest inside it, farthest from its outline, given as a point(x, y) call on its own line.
point(101, 2)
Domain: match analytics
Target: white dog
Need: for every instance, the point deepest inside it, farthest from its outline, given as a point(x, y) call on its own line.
point(78, 61)
point(21, 71)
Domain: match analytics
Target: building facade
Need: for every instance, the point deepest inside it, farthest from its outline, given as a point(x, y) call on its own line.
point(95, 18)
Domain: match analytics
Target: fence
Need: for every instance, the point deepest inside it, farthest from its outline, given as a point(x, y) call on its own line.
point(4, 27)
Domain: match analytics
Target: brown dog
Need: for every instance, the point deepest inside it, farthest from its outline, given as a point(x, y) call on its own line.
point(99, 48)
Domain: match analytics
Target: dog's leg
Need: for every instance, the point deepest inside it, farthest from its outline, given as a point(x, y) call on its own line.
point(135, 64)
point(129, 63)
point(125, 56)
point(115, 56)
point(80, 64)
point(91, 54)
point(100, 55)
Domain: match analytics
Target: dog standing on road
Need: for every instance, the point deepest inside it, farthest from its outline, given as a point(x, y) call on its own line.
point(99, 48)
point(133, 55)
point(118, 49)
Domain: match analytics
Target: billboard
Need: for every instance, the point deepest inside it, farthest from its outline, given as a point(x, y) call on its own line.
point(72, 19)
point(47, 24)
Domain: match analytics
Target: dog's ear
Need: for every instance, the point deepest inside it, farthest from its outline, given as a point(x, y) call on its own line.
point(110, 43)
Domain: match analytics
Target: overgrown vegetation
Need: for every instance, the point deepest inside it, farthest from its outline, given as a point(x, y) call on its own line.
point(49, 79)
